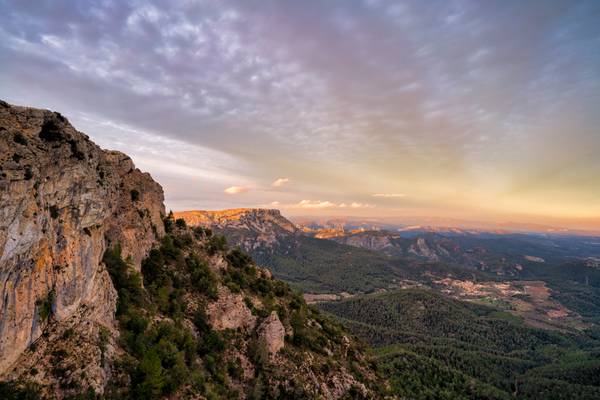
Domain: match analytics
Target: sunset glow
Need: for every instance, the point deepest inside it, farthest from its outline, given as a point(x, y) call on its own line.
point(470, 110)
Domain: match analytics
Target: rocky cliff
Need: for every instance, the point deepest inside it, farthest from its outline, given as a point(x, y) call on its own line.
point(63, 200)
point(249, 228)
point(103, 294)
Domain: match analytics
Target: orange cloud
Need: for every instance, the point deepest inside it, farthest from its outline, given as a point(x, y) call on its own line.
point(236, 189)
point(388, 195)
point(280, 182)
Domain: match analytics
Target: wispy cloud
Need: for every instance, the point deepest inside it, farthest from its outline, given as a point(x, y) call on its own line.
point(280, 182)
point(236, 189)
point(320, 205)
point(388, 195)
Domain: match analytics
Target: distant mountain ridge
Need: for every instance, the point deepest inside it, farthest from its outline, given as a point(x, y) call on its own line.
point(249, 228)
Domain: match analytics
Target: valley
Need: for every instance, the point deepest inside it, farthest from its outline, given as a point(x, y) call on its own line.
point(497, 315)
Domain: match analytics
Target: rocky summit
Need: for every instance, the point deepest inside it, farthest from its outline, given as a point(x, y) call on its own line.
point(104, 295)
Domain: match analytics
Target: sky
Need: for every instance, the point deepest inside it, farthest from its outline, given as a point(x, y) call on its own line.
point(486, 110)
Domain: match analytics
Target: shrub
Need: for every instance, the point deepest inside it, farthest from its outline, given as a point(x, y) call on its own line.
point(180, 223)
point(12, 390)
point(169, 222)
point(135, 195)
point(44, 306)
point(28, 173)
point(215, 244)
point(128, 283)
point(201, 231)
point(54, 212)
point(202, 277)
point(168, 248)
point(20, 139)
point(238, 259)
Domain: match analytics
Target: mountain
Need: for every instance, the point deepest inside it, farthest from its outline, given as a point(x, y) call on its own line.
point(246, 227)
point(104, 296)
point(311, 264)
point(549, 281)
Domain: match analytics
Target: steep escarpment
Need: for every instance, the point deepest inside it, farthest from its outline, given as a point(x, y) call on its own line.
point(249, 228)
point(62, 200)
point(101, 294)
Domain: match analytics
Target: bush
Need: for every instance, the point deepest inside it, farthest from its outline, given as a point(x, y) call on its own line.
point(135, 195)
point(168, 248)
point(169, 222)
point(202, 277)
point(128, 283)
point(201, 231)
point(28, 173)
point(44, 306)
point(13, 390)
point(20, 139)
point(215, 244)
point(54, 212)
point(180, 223)
point(238, 259)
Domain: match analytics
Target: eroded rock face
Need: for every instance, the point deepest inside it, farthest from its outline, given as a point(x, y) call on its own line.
point(62, 200)
point(272, 333)
point(229, 312)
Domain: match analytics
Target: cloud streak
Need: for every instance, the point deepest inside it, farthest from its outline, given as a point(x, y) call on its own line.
point(388, 195)
point(279, 182)
point(236, 190)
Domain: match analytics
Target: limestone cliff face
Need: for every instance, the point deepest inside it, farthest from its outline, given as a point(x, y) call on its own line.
point(249, 228)
point(62, 201)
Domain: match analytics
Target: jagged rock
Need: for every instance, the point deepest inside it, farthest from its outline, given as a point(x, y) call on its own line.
point(262, 228)
point(272, 333)
point(62, 198)
point(229, 312)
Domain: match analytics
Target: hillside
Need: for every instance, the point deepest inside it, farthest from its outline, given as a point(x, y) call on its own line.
point(310, 264)
point(470, 344)
point(104, 295)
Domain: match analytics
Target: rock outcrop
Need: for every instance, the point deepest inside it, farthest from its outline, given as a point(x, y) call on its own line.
point(230, 312)
point(249, 228)
point(62, 200)
point(272, 333)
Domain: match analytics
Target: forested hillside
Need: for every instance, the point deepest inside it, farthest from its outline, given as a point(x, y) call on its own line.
point(472, 346)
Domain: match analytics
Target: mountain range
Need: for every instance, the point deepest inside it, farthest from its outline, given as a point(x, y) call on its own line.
point(105, 295)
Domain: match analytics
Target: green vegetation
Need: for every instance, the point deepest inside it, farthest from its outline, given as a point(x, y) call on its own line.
point(323, 266)
point(20, 139)
point(434, 347)
point(11, 390)
point(54, 212)
point(161, 355)
point(164, 357)
point(44, 306)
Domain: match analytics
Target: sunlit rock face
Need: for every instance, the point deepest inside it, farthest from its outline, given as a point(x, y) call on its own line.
point(249, 228)
point(62, 201)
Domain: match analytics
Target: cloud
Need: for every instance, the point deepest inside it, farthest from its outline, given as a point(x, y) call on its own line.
point(320, 205)
point(316, 204)
point(280, 182)
point(236, 189)
point(388, 195)
point(239, 81)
